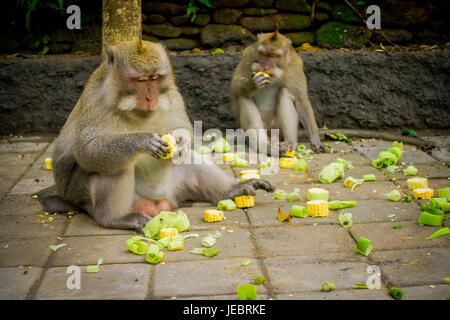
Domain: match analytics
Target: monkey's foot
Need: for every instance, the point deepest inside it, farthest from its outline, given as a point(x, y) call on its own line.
point(320, 148)
point(56, 204)
point(134, 220)
point(249, 187)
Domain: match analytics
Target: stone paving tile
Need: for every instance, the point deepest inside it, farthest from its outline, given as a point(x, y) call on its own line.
point(87, 249)
point(188, 278)
point(357, 172)
point(15, 282)
point(351, 294)
point(409, 156)
point(195, 215)
point(442, 154)
point(319, 161)
point(439, 292)
point(23, 147)
point(16, 205)
point(9, 177)
point(263, 197)
point(368, 190)
point(25, 252)
point(413, 267)
point(83, 225)
point(412, 235)
point(25, 227)
point(426, 170)
point(296, 274)
point(122, 282)
point(288, 176)
point(378, 144)
point(266, 215)
point(302, 240)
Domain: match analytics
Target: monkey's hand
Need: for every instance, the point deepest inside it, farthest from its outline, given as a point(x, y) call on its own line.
point(154, 145)
point(261, 79)
point(180, 151)
point(249, 187)
point(320, 148)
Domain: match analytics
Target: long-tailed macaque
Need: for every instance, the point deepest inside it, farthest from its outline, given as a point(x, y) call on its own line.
point(269, 91)
point(107, 158)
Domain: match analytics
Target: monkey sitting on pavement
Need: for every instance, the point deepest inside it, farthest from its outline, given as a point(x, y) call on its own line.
point(269, 91)
point(107, 158)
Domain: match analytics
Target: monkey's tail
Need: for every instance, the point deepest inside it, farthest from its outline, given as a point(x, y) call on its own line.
point(367, 134)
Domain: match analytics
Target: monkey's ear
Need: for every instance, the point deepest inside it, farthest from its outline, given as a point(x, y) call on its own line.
point(109, 55)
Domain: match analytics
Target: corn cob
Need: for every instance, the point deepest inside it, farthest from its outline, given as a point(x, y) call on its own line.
point(417, 183)
point(228, 157)
point(48, 163)
point(244, 201)
point(172, 143)
point(318, 208)
point(168, 232)
point(290, 153)
point(213, 215)
point(423, 193)
point(249, 176)
point(287, 162)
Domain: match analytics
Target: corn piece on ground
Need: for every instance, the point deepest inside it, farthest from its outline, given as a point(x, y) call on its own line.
point(249, 176)
point(212, 215)
point(48, 163)
point(318, 208)
point(423, 193)
point(417, 183)
point(168, 232)
point(244, 201)
point(287, 162)
point(228, 157)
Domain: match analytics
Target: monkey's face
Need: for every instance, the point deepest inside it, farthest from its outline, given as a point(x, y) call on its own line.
point(146, 88)
point(268, 60)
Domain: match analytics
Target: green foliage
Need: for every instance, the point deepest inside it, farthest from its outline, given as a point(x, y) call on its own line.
point(192, 8)
point(216, 51)
point(32, 6)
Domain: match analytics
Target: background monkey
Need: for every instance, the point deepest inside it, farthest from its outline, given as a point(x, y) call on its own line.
point(277, 97)
point(107, 156)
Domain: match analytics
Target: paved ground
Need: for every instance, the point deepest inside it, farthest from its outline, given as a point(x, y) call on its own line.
point(295, 257)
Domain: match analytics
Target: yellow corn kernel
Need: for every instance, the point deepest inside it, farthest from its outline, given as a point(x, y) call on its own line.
point(287, 162)
point(228, 157)
point(172, 142)
point(48, 163)
point(290, 153)
point(212, 215)
point(318, 208)
point(168, 232)
point(244, 201)
point(262, 72)
point(423, 193)
point(249, 176)
point(250, 171)
point(417, 183)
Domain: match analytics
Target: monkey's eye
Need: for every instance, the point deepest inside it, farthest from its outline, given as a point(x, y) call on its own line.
point(141, 78)
point(154, 77)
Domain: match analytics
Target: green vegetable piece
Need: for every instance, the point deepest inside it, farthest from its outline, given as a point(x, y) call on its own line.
point(259, 280)
point(300, 165)
point(361, 286)
point(394, 195)
point(399, 226)
point(363, 246)
point(295, 196)
point(175, 244)
point(439, 233)
point(246, 262)
point(204, 150)
point(410, 171)
point(208, 241)
point(221, 145)
point(423, 207)
point(96, 268)
point(280, 194)
point(240, 163)
point(430, 219)
point(369, 177)
point(210, 253)
point(299, 211)
point(407, 199)
point(246, 292)
point(345, 219)
point(216, 51)
point(318, 194)
point(447, 280)
point(338, 204)
point(166, 219)
point(377, 163)
point(328, 286)
point(192, 235)
point(397, 144)
point(301, 148)
point(397, 152)
point(396, 293)
point(154, 254)
point(136, 246)
point(342, 161)
point(392, 169)
point(331, 172)
point(409, 132)
point(58, 246)
point(387, 158)
point(444, 193)
point(439, 203)
point(227, 205)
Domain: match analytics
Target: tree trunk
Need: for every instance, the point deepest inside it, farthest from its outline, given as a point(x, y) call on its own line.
point(122, 21)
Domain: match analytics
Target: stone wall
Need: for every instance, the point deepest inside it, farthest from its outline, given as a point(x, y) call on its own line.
point(233, 24)
point(357, 89)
